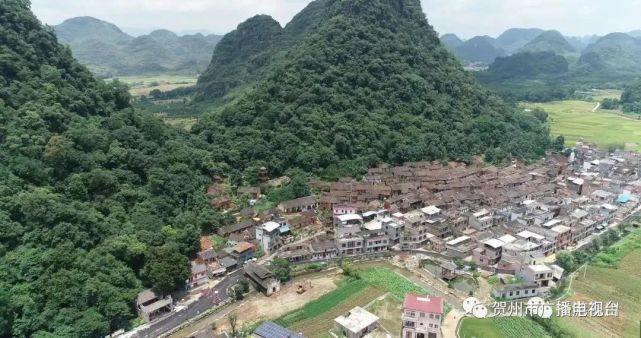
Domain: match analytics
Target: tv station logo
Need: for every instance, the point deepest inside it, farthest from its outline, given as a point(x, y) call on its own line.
point(536, 306)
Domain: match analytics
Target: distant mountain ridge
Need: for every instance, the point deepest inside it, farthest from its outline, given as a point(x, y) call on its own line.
point(549, 41)
point(108, 51)
point(615, 52)
point(514, 39)
point(479, 49)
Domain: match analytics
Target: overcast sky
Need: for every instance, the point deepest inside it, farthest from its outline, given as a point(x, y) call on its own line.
point(463, 17)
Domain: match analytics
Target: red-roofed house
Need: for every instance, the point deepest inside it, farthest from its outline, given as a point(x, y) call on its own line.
point(422, 316)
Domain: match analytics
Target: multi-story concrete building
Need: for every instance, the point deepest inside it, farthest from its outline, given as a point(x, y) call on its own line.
point(349, 239)
point(422, 316)
point(539, 274)
point(268, 236)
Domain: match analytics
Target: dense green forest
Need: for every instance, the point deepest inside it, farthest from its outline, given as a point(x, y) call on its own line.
point(247, 54)
point(97, 201)
point(371, 82)
point(529, 76)
point(631, 98)
point(107, 51)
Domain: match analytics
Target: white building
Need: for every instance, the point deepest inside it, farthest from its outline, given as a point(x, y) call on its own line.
point(268, 236)
point(357, 323)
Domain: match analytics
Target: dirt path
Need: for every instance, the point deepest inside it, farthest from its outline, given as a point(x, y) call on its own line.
point(258, 307)
point(598, 105)
point(450, 323)
point(484, 291)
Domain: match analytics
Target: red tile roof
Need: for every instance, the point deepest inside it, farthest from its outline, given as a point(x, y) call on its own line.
point(428, 304)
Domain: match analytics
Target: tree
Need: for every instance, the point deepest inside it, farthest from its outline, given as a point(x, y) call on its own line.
point(166, 269)
point(238, 293)
point(473, 266)
point(281, 269)
point(232, 319)
point(597, 243)
point(613, 235)
point(559, 143)
point(566, 261)
point(459, 262)
point(346, 266)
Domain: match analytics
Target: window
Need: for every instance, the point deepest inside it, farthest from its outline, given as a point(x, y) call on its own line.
point(436, 326)
point(430, 325)
point(431, 316)
point(511, 293)
point(437, 316)
point(422, 314)
point(411, 314)
point(518, 293)
point(408, 334)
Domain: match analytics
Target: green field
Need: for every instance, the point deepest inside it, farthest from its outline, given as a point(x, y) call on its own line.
point(575, 121)
point(390, 281)
point(501, 328)
point(316, 318)
point(621, 285)
point(142, 85)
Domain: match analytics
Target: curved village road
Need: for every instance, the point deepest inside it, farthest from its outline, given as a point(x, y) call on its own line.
point(174, 320)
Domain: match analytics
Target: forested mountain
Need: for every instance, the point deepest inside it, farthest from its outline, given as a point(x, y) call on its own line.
point(479, 49)
point(107, 51)
point(549, 41)
point(528, 65)
point(97, 201)
point(88, 28)
point(514, 39)
point(451, 41)
point(579, 43)
point(246, 54)
point(368, 82)
point(617, 53)
point(538, 76)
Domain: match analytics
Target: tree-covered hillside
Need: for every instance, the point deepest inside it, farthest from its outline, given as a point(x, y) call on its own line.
point(529, 64)
point(479, 49)
point(97, 201)
point(107, 51)
point(514, 38)
point(536, 77)
point(617, 54)
point(246, 55)
point(371, 82)
point(451, 42)
point(549, 41)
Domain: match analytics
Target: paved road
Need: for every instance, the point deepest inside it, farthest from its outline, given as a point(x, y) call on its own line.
point(194, 309)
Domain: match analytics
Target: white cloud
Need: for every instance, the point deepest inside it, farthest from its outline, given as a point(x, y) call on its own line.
point(464, 17)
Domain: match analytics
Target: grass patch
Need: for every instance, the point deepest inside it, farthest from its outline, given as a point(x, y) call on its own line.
point(323, 304)
point(390, 281)
point(389, 310)
point(611, 256)
point(506, 327)
point(218, 242)
point(575, 120)
point(621, 285)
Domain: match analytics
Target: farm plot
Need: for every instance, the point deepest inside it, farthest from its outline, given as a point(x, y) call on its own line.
point(501, 328)
point(621, 285)
point(316, 318)
point(390, 281)
point(575, 120)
